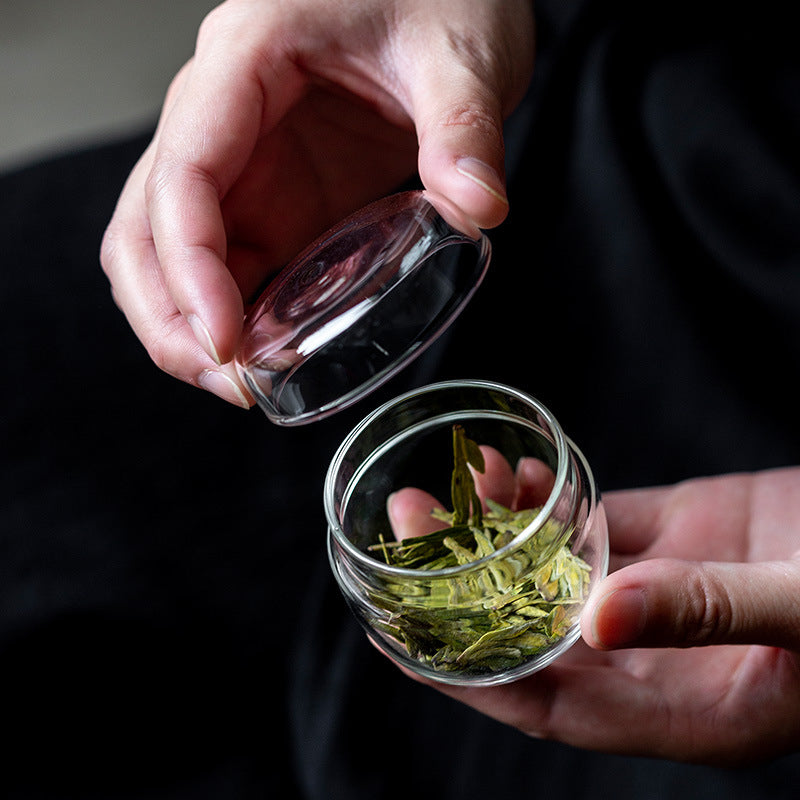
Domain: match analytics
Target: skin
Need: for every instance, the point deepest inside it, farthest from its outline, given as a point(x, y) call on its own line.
point(690, 645)
point(291, 115)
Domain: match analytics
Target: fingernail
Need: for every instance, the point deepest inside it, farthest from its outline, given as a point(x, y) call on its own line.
point(483, 175)
point(619, 618)
point(221, 385)
point(203, 337)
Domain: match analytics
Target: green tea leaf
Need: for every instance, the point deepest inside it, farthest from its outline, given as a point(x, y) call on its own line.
point(466, 503)
point(507, 609)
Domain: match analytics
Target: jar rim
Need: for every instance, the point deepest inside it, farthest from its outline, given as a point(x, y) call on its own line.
point(563, 448)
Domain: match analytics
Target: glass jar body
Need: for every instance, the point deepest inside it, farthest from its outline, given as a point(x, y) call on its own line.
point(511, 602)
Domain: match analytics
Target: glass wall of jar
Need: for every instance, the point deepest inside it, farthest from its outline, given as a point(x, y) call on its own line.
point(492, 589)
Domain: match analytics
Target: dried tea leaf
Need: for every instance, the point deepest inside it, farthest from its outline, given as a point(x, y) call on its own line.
point(499, 614)
point(466, 503)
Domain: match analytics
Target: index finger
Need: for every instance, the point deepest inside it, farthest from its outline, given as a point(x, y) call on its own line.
point(204, 144)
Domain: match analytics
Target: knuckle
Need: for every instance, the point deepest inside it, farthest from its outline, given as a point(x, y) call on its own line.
point(227, 21)
point(158, 179)
point(709, 611)
point(171, 174)
point(473, 115)
point(109, 247)
point(163, 346)
point(211, 26)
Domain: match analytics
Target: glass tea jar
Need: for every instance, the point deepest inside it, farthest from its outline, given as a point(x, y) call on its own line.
point(464, 607)
point(346, 314)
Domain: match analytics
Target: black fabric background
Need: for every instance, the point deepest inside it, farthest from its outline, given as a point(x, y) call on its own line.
point(168, 624)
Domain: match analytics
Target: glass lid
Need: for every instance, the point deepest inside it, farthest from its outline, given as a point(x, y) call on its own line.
point(359, 304)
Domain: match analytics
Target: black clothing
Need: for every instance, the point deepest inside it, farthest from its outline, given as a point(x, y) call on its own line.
point(169, 625)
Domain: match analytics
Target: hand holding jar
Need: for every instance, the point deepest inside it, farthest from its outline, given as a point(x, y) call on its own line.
point(693, 638)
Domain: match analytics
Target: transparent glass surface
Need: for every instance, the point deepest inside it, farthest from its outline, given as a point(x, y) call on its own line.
point(358, 304)
point(508, 612)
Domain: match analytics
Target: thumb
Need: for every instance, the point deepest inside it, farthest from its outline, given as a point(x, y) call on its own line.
point(461, 157)
point(458, 116)
point(673, 603)
point(468, 70)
